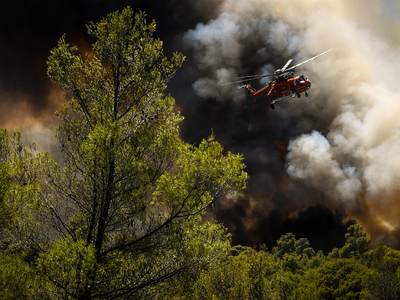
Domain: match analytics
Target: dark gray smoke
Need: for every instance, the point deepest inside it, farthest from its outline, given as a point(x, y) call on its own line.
point(340, 147)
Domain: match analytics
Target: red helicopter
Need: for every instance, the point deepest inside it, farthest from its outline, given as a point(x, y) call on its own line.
point(285, 84)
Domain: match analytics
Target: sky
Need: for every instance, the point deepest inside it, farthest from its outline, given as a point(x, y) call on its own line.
point(316, 164)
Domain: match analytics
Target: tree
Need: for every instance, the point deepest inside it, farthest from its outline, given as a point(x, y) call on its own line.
point(382, 280)
point(5, 180)
point(20, 174)
point(285, 244)
point(16, 278)
point(19, 188)
point(249, 274)
point(340, 278)
point(357, 242)
point(122, 213)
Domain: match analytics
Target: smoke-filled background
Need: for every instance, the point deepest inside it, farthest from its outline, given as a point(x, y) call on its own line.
point(316, 164)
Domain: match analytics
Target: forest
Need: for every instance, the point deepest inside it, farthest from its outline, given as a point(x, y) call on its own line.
point(119, 216)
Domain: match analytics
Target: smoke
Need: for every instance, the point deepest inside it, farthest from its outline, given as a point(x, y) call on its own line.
point(316, 164)
point(311, 158)
point(28, 32)
point(341, 146)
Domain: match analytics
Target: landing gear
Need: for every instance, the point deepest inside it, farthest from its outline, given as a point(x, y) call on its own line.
point(272, 106)
point(306, 94)
point(298, 95)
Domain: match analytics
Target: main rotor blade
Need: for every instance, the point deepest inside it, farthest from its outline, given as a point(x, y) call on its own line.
point(253, 77)
point(286, 65)
point(243, 79)
point(306, 61)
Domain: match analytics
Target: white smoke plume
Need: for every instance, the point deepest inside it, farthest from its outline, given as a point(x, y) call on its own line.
point(344, 141)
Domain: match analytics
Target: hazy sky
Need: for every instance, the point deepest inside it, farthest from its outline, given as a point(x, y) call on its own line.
point(315, 163)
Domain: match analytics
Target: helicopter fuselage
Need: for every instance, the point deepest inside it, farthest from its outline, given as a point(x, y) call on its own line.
point(280, 88)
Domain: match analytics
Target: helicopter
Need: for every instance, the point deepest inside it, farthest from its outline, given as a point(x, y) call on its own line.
point(284, 84)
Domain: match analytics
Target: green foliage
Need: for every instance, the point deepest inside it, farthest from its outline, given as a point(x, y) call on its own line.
point(340, 279)
point(357, 242)
point(5, 179)
point(243, 276)
point(17, 280)
point(121, 216)
point(128, 199)
point(294, 271)
point(382, 281)
point(20, 174)
point(68, 269)
point(288, 245)
point(19, 188)
point(286, 273)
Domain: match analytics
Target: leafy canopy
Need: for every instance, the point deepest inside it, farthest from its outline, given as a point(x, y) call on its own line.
point(128, 198)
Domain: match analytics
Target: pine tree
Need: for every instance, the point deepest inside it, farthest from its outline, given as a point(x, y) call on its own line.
point(122, 213)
